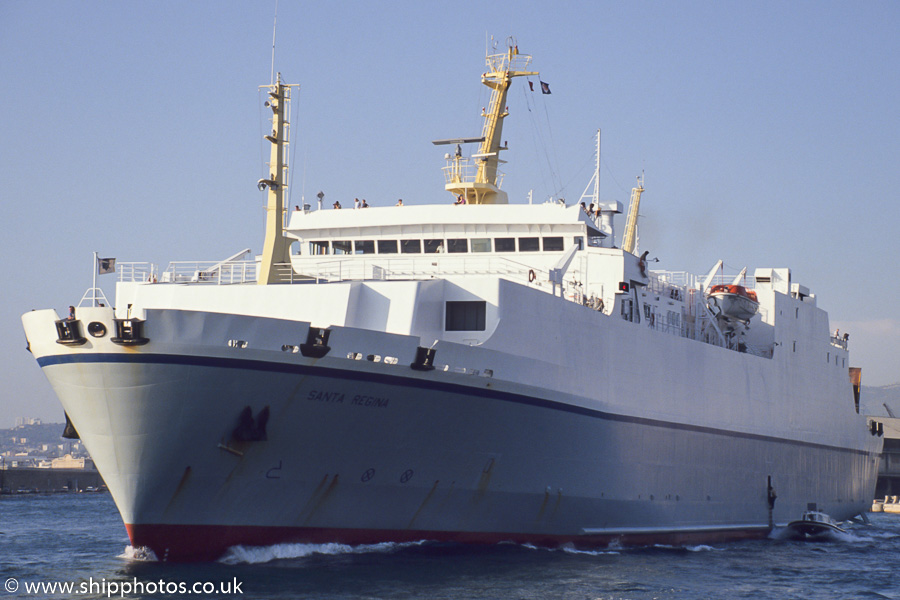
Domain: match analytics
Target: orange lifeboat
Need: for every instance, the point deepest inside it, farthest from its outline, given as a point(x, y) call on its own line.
point(734, 302)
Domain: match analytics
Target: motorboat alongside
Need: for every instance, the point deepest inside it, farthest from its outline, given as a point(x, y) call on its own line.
point(813, 525)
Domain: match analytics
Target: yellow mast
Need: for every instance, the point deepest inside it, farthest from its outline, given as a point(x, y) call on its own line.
point(274, 265)
point(630, 243)
point(483, 187)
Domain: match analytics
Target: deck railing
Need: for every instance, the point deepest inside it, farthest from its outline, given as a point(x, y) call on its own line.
point(350, 269)
point(465, 170)
point(355, 269)
point(205, 272)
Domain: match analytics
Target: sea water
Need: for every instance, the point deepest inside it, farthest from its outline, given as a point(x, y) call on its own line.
point(79, 539)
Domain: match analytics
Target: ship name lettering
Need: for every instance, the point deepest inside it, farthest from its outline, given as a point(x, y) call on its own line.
point(376, 402)
point(334, 397)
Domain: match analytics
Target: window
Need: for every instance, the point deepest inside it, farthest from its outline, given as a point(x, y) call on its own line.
point(342, 247)
point(481, 245)
point(505, 244)
point(318, 248)
point(387, 246)
point(465, 316)
point(458, 246)
point(410, 246)
point(552, 244)
point(434, 246)
point(579, 241)
point(531, 244)
point(365, 247)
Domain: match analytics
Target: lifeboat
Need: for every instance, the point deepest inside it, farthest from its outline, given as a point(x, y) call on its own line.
point(734, 302)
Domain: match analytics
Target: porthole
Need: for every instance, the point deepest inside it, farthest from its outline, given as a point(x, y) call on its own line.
point(96, 329)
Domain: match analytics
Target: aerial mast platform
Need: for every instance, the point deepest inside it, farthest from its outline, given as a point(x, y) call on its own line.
point(477, 178)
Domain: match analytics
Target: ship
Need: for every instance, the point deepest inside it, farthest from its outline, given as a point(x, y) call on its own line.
point(466, 371)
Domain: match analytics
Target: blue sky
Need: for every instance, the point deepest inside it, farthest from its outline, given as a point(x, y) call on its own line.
point(769, 133)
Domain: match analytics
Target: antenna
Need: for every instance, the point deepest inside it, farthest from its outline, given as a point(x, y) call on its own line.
point(594, 196)
point(274, 27)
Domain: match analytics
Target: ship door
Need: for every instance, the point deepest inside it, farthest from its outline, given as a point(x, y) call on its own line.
point(628, 309)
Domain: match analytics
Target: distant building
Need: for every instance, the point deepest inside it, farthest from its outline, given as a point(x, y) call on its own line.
point(67, 462)
point(883, 405)
point(889, 468)
point(24, 421)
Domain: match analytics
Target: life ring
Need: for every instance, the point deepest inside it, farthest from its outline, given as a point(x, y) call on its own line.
point(531, 275)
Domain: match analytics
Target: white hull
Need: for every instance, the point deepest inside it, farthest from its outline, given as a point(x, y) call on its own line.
point(568, 449)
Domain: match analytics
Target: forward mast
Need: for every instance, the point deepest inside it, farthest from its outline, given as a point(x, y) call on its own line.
point(274, 265)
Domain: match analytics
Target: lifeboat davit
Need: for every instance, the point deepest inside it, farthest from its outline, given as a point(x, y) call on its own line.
point(733, 302)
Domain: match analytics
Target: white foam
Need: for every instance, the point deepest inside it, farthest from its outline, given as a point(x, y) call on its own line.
point(140, 554)
point(568, 548)
point(262, 554)
point(700, 548)
point(571, 550)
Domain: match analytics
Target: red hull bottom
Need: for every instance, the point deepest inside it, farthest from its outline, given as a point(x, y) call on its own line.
point(190, 543)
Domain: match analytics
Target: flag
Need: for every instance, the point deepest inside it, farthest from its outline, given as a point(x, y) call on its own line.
point(106, 265)
point(531, 85)
point(545, 88)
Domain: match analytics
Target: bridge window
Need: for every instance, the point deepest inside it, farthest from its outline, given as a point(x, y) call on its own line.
point(365, 247)
point(458, 246)
point(410, 246)
point(387, 246)
point(434, 246)
point(505, 244)
point(465, 316)
point(579, 241)
point(342, 247)
point(318, 248)
point(481, 245)
point(529, 244)
point(553, 243)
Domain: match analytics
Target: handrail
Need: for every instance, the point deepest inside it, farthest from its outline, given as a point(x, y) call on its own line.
point(381, 268)
point(461, 170)
point(198, 271)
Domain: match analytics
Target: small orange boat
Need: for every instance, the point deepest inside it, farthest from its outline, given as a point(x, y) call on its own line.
point(734, 302)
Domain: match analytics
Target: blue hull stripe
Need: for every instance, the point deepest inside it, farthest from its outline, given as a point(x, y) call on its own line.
point(413, 382)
